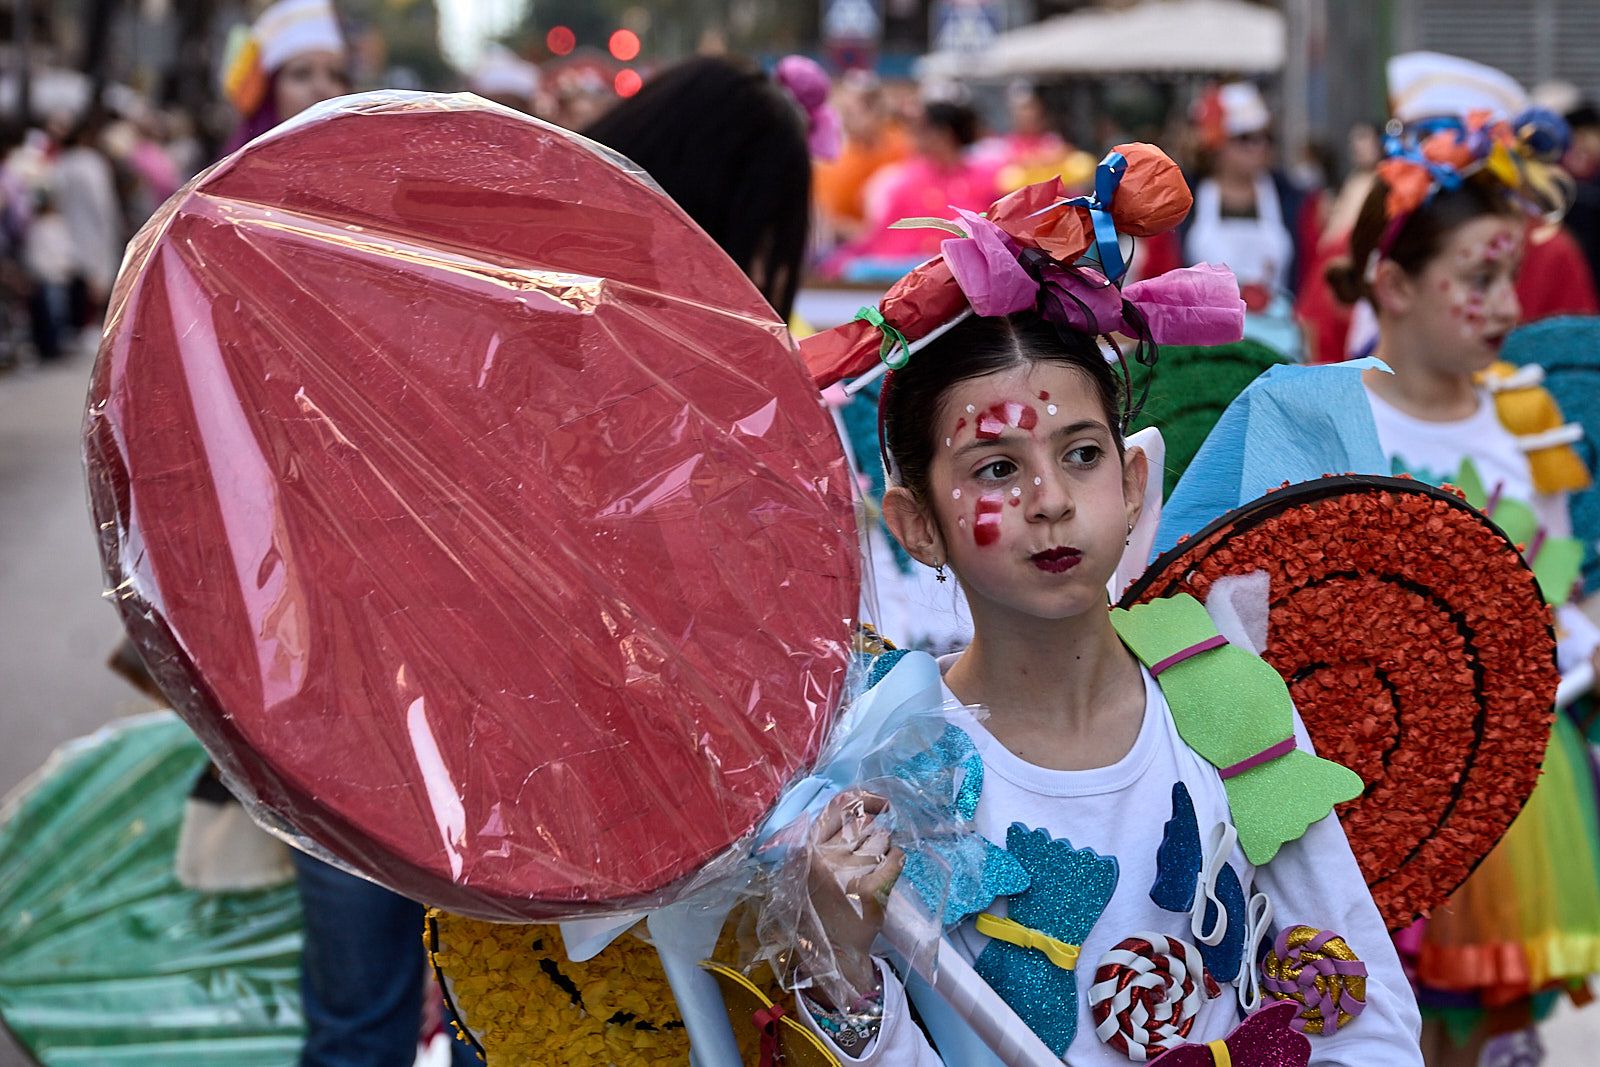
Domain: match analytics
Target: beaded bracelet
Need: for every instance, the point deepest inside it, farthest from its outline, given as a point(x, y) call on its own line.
point(854, 1028)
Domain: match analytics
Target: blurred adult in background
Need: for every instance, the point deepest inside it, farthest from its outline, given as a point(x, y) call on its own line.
point(937, 177)
point(1582, 161)
point(1032, 150)
point(872, 140)
point(506, 78)
point(85, 191)
point(1245, 214)
point(1325, 318)
point(292, 57)
point(730, 145)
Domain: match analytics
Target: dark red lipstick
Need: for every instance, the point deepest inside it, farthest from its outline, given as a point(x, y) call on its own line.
point(1057, 560)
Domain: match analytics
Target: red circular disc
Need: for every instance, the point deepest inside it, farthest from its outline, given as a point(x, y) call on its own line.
point(472, 507)
point(1419, 653)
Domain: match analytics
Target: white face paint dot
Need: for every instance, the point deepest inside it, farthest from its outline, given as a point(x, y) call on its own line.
point(971, 409)
point(1050, 409)
point(961, 521)
point(1016, 491)
point(955, 493)
point(1038, 481)
point(947, 442)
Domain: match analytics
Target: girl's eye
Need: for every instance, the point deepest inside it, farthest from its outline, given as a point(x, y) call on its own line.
point(1085, 455)
point(997, 470)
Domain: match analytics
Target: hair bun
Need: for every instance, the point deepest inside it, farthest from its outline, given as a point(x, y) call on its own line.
point(1345, 281)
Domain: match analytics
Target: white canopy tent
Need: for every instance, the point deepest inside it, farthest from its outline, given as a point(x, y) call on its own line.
point(1175, 36)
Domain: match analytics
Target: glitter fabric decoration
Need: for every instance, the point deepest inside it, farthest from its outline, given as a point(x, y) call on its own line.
point(1317, 970)
point(1146, 994)
point(958, 874)
point(1071, 888)
point(1418, 651)
point(1265, 1039)
point(1178, 859)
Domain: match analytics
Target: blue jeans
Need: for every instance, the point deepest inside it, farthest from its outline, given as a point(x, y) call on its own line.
point(361, 976)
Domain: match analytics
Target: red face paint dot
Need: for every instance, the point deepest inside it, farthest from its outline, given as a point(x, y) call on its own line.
point(990, 425)
point(986, 524)
point(1044, 396)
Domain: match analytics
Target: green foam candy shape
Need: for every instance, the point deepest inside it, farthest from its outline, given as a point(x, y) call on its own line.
point(1230, 705)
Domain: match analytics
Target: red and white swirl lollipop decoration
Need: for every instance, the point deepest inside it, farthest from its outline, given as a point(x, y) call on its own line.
point(1146, 994)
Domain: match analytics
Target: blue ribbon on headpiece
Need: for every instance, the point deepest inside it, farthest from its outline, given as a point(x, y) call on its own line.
point(1107, 176)
point(1408, 146)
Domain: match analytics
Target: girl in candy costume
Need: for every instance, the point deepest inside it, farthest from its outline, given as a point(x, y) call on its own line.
point(1003, 434)
point(1436, 251)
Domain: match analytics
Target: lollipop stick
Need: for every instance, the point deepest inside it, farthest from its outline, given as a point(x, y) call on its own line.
point(968, 995)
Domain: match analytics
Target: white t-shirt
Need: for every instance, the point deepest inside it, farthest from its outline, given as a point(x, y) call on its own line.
point(1121, 811)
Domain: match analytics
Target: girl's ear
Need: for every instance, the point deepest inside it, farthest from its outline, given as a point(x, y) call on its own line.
point(1393, 290)
point(913, 526)
point(1135, 477)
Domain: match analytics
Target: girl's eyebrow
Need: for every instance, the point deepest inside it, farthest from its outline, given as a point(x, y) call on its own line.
point(1070, 430)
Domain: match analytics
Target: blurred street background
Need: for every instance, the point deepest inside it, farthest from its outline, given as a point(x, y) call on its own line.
point(108, 106)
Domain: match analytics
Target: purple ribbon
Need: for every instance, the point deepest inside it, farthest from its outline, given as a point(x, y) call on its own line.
point(1266, 755)
point(1303, 987)
point(1185, 653)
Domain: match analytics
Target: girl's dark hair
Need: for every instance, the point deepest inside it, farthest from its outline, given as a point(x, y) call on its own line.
point(729, 146)
point(960, 121)
point(912, 397)
point(1421, 235)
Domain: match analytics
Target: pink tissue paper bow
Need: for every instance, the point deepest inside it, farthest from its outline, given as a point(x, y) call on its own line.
point(1197, 305)
point(808, 84)
point(985, 266)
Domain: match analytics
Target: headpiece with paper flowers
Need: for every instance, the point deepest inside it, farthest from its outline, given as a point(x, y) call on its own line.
point(1517, 158)
point(1039, 249)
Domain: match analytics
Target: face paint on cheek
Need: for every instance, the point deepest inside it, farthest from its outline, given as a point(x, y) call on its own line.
point(986, 523)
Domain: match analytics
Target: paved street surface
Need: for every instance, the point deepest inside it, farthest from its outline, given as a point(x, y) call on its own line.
point(56, 631)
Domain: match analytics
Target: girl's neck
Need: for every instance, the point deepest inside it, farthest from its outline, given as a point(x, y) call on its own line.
point(1066, 676)
point(1421, 391)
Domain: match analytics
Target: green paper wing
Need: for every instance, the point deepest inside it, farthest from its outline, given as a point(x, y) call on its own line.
point(1189, 392)
point(108, 960)
point(1230, 705)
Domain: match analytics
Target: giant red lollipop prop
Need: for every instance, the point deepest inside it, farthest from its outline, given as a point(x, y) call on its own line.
point(472, 507)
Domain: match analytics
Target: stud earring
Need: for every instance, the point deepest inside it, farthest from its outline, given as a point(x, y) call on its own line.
point(1129, 540)
point(938, 572)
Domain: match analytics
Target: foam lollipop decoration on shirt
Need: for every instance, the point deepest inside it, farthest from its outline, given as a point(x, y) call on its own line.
point(1317, 970)
point(1265, 1039)
point(1146, 994)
